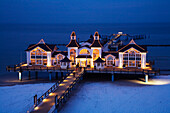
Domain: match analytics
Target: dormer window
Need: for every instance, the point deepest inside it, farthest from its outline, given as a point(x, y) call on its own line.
point(96, 37)
point(73, 37)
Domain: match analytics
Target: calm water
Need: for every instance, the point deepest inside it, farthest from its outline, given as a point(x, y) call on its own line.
point(15, 38)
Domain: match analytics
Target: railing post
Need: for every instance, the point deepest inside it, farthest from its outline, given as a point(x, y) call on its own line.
point(35, 100)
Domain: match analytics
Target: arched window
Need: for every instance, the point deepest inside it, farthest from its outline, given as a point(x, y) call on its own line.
point(72, 55)
point(110, 60)
point(132, 58)
point(85, 52)
point(95, 54)
point(38, 56)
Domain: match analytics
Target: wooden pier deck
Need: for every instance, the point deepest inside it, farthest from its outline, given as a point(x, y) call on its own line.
point(49, 102)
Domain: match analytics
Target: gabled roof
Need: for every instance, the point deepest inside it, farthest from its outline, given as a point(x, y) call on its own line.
point(84, 56)
point(43, 45)
point(65, 60)
point(59, 52)
point(132, 44)
point(73, 43)
point(96, 43)
point(99, 60)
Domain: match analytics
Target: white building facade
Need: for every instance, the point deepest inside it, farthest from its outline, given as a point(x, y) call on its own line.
point(86, 54)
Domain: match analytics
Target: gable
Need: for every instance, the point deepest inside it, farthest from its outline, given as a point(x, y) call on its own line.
point(135, 46)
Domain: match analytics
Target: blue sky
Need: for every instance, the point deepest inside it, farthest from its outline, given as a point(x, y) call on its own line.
point(84, 11)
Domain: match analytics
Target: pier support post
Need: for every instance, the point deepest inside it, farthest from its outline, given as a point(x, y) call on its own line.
point(61, 75)
point(56, 75)
point(50, 76)
point(36, 75)
point(112, 77)
point(29, 75)
point(146, 78)
point(20, 75)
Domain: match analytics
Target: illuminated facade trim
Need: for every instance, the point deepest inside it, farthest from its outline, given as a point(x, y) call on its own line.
point(85, 53)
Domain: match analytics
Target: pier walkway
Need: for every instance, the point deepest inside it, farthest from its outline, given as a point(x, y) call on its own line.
point(49, 102)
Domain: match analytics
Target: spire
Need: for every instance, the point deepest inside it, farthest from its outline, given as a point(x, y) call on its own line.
point(41, 42)
point(73, 35)
point(73, 42)
point(96, 36)
point(132, 42)
point(96, 41)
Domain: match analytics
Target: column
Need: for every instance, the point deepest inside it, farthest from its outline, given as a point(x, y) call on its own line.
point(48, 58)
point(120, 59)
point(143, 60)
point(28, 58)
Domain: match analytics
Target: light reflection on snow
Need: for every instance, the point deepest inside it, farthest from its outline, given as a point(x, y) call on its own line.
point(154, 81)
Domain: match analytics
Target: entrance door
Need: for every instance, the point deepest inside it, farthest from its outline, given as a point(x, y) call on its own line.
point(132, 63)
point(82, 63)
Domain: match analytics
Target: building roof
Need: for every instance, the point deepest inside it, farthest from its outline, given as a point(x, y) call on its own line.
point(59, 52)
point(73, 43)
point(43, 45)
point(96, 34)
point(99, 60)
point(65, 60)
point(132, 44)
point(140, 48)
point(96, 43)
point(84, 56)
point(85, 46)
point(109, 53)
point(73, 33)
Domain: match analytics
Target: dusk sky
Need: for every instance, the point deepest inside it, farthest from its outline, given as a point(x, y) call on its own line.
point(84, 11)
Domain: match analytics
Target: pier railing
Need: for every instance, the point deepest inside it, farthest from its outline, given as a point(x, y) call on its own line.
point(36, 68)
point(124, 71)
point(46, 94)
point(62, 99)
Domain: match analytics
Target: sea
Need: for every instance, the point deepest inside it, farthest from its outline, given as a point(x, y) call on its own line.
point(15, 38)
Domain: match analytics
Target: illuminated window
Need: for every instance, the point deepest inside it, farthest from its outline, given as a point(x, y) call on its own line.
point(38, 56)
point(84, 51)
point(110, 60)
point(95, 54)
point(132, 58)
point(72, 55)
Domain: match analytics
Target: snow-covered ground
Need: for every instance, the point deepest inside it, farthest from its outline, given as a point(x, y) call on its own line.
point(19, 98)
point(121, 97)
point(96, 97)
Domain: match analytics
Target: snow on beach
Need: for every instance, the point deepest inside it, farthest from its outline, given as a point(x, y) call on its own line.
point(19, 98)
point(96, 97)
point(121, 97)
